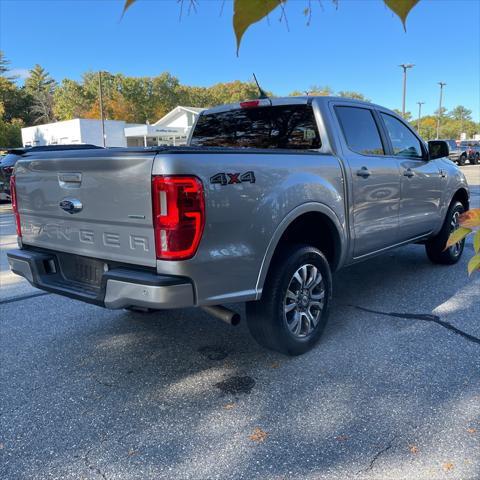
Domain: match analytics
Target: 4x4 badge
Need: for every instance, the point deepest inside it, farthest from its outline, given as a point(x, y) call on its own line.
point(233, 178)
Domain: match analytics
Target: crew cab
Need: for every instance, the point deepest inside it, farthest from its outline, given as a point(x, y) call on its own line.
point(267, 200)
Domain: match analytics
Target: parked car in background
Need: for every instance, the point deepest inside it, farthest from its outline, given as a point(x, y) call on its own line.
point(454, 151)
point(470, 150)
point(13, 155)
point(6, 169)
point(465, 150)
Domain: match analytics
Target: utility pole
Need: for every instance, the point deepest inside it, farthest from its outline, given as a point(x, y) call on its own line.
point(101, 106)
point(442, 84)
point(419, 115)
point(405, 66)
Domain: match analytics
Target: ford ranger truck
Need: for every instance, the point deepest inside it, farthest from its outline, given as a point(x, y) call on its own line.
point(268, 198)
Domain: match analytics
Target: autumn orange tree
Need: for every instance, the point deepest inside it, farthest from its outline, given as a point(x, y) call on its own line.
point(248, 12)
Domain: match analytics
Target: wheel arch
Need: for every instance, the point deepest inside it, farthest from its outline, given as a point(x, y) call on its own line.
point(461, 195)
point(296, 227)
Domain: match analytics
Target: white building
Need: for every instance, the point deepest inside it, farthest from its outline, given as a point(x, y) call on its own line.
point(78, 130)
point(172, 129)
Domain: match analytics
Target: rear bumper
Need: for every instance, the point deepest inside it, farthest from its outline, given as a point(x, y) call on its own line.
point(119, 287)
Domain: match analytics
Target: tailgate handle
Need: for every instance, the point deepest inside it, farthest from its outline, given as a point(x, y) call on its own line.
point(70, 180)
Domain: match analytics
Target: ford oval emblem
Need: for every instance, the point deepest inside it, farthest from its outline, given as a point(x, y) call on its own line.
point(71, 205)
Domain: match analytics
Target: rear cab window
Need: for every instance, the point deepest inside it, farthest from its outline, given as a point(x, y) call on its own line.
point(266, 127)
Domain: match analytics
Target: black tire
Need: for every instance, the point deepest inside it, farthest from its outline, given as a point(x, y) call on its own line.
point(462, 160)
point(435, 247)
point(266, 318)
point(475, 159)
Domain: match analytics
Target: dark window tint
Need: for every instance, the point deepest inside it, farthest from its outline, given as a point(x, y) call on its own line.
point(360, 130)
point(289, 126)
point(404, 142)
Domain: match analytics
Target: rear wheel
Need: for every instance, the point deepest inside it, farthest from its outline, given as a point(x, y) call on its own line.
point(435, 247)
point(462, 160)
point(475, 159)
point(293, 311)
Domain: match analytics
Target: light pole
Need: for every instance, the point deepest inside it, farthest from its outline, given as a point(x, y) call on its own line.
point(442, 84)
point(101, 106)
point(405, 66)
point(419, 115)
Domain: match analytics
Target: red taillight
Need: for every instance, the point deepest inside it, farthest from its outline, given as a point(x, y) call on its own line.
point(13, 195)
point(250, 104)
point(178, 216)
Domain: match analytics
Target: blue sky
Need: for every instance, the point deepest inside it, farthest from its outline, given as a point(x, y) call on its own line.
point(355, 47)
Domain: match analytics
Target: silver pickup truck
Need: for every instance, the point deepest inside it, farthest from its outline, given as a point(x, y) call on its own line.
point(267, 200)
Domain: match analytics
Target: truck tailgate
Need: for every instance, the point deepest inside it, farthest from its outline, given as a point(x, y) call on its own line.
point(111, 193)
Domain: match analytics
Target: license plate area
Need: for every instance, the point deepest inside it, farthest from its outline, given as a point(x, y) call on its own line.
point(83, 270)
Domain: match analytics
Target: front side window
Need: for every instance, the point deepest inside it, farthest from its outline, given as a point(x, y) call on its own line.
point(404, 142)
point(360, 130)
point(283, 126)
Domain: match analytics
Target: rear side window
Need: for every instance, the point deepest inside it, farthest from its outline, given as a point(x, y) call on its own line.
point(285, 126)
point(404, 142)
point(360, 130)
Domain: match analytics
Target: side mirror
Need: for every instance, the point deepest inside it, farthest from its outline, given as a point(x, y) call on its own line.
point(437, 149)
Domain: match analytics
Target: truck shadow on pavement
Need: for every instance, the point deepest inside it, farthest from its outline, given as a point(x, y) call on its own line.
point(178, 394)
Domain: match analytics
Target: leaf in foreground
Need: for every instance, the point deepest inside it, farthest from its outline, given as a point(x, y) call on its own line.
point(476, 242)
point(128, 3)
point(470, 218)
point(248, 12)
point(402, 8)
point(456, 236)
point(474, 264)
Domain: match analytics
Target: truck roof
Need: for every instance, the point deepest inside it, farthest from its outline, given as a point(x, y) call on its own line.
point(300, 100)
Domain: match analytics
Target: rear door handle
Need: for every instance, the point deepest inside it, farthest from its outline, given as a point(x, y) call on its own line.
point(364, 172)
point(408, 173)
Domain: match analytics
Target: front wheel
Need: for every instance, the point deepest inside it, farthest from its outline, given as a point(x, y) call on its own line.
point(462, 160)
point(293, 311)
point(435, 247)
point(476, 159)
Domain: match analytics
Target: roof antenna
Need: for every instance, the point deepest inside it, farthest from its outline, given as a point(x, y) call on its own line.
point(261, 93)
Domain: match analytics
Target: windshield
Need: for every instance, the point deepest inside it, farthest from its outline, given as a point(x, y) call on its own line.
point(286, 126)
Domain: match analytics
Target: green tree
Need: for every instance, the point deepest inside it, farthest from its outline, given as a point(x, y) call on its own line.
point(10, 134)
point(408, 115)
point(460, 113)
point(39, 80)
point(351, 94)
point(40, 86)
point(69, 100)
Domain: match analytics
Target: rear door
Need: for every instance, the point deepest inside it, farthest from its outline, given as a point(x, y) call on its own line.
point(421, 180)
point(95, 203)
point(374, 179)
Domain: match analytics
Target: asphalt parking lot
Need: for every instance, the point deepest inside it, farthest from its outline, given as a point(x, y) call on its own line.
point(391, 392)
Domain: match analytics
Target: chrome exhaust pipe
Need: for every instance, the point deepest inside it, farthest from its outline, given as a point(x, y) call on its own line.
point(222, 313)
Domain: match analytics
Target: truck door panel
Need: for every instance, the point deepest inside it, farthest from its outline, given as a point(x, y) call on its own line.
point(375, 181)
